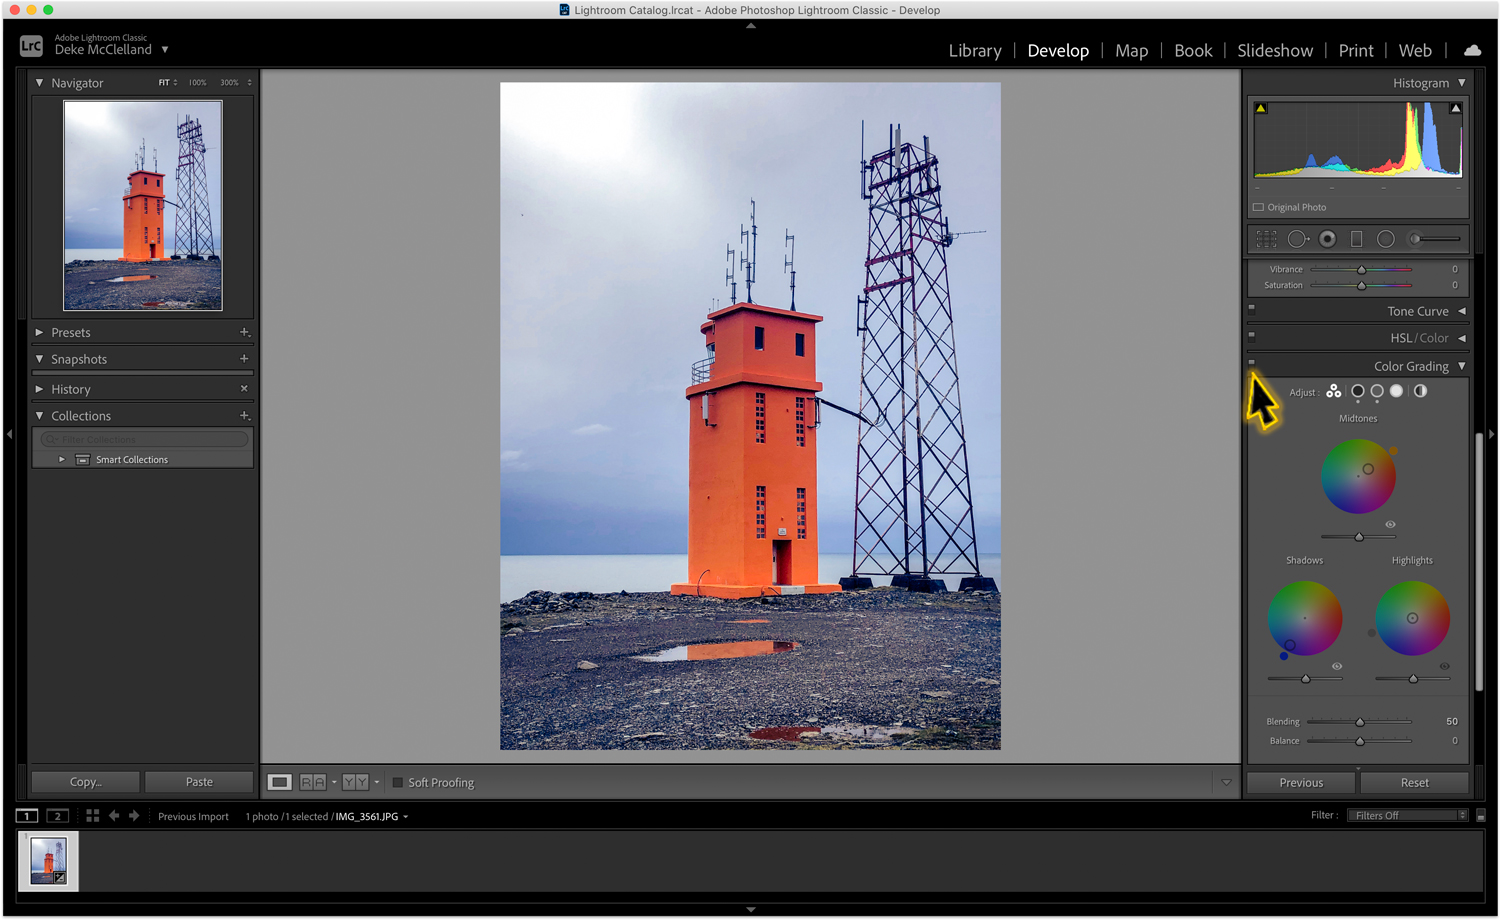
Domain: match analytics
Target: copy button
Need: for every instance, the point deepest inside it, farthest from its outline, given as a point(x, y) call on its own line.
point(54, 782)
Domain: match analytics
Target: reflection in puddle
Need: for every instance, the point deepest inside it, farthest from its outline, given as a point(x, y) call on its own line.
point(131, 278)
point(782, 732)
point(876, 734)
point(720, 650)
point(749, 621)
point(838, 733)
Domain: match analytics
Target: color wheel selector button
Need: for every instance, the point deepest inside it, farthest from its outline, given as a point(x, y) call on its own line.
point(1327, 238)
point(1296, 239)
point(1386, 239)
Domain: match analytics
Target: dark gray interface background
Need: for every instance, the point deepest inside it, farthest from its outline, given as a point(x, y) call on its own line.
point(380, 530)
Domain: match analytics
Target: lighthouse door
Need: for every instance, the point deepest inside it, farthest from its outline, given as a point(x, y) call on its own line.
point(781, 561)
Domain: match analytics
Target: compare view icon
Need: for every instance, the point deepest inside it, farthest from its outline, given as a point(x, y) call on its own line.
point(1260, 404)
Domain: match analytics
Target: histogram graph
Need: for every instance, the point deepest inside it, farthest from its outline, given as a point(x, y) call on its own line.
point(1363, 139)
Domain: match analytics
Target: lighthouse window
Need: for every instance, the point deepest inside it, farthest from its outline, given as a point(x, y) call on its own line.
point(760, 512)
point(801, 339)
point(760, 418)
point(760, 338)
point(801, 415)
point(801, 513)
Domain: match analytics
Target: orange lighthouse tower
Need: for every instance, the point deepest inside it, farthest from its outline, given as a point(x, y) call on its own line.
point(753, 456)
point(144, 204)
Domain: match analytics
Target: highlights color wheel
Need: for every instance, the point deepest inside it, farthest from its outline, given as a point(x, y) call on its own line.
point(1305, 618)
point(1412, 618)
point(1359, 476)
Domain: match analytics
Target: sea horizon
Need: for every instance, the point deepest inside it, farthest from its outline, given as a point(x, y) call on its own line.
point(92, 255)
point(642, 572)
point(98, 255)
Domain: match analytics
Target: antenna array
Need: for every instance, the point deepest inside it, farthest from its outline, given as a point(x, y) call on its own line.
point(747, 256)
point(790, 263)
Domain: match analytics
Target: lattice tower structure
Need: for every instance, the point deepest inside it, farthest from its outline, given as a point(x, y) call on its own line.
point(914, 507)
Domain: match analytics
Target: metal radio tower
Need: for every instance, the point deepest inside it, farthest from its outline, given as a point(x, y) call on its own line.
point(913, 507)
point(193, 232)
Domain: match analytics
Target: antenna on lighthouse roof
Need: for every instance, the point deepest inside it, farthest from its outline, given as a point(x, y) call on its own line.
point(729, 274)
point(748, 264)
point(790, 263)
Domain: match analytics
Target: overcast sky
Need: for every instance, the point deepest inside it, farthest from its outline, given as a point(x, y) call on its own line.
point(617, 203)
point(102, 138)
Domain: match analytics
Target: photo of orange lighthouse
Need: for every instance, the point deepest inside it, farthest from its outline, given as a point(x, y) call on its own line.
point(753, 456)
point(741, 507)
point(142, 205)
point(49, 860)
point(144, 201)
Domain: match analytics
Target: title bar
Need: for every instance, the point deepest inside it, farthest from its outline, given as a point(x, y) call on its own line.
point(684, 9)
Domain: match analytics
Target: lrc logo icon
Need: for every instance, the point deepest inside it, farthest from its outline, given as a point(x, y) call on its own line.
point(31, 46)
point(563, 9)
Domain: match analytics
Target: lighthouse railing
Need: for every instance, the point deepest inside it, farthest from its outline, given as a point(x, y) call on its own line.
point(702, 370)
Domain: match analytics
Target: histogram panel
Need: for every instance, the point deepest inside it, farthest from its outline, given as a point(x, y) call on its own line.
point(1368, 139)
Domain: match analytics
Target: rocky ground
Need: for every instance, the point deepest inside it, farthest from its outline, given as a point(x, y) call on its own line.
point(180, 285)
point(879, 668)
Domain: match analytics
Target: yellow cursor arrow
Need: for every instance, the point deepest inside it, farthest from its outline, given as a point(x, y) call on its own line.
point(1260, 403)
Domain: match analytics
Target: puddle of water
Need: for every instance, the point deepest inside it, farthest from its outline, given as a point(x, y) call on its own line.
point(783, 732)
point(749, 621)
point(840, 731)
point(880, 734)
point(131, 278)
point(720, 650)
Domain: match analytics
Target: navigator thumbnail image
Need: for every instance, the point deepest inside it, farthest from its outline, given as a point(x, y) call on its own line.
point(143, 212)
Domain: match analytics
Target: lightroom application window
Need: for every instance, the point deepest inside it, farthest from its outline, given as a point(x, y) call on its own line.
point(552, 457)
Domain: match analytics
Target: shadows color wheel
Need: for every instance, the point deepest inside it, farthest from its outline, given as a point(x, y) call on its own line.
point(1305, 618)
